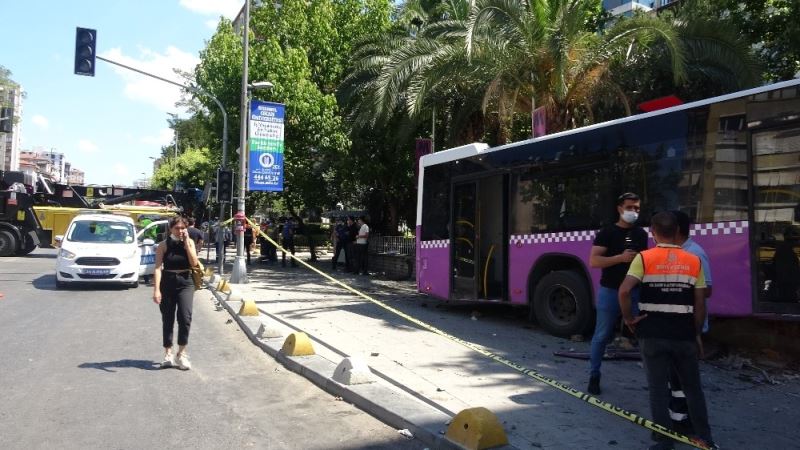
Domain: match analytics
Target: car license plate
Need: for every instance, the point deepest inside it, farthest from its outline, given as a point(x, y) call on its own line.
point(148, 259)
point(96, 271)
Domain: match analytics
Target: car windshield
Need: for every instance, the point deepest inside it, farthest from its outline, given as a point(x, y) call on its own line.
point(101, 232)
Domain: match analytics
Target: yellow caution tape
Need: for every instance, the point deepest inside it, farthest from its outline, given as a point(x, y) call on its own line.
point(594, 401)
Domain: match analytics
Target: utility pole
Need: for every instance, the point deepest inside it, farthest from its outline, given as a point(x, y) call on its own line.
point(239, 273)
point(176, 160)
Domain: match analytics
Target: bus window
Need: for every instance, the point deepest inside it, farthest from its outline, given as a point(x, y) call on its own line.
point(776, 180)
point(436, 203)
point(560, 201)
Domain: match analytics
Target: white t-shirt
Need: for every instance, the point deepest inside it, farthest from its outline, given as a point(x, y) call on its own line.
point(364, 230)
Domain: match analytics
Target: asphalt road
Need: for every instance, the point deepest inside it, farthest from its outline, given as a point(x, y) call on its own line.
point(79, 370)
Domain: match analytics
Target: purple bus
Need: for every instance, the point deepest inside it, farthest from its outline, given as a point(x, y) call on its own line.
point(515, 223)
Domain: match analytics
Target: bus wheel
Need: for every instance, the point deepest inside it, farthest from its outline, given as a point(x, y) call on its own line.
point(562, 304)
point(8, 243)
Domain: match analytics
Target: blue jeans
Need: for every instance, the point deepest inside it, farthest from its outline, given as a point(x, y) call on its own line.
point(608, 313)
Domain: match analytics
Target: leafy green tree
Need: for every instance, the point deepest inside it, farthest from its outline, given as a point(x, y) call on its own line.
point(301, 47)
point(192, 168)
point(770, 26)
point(517, 55)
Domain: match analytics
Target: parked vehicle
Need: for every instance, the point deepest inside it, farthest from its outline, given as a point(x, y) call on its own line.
point(20, 230)
point(99, 248)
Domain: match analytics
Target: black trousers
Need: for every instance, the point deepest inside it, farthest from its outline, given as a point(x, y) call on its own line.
point(361, 258)
point(177, 294)
point(661, 355)
point(288, 244)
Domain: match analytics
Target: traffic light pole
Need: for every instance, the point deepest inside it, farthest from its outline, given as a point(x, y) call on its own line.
point(198, 90)
point(239, 273)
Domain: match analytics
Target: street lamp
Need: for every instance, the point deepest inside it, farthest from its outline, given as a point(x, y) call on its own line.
point(239, 272)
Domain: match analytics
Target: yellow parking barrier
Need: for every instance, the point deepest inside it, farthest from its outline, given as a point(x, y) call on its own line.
point(248, 308)
point(297, 344)
point(476, 429)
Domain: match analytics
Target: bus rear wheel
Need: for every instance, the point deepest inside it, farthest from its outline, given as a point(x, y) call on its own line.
point(562, 304)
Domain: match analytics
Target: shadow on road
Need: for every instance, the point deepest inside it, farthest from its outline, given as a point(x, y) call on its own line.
point(42, 255)
point(121, 364)
point(48, 283)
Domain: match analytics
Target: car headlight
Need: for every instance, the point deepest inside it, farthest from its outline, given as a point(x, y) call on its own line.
point(66, 254)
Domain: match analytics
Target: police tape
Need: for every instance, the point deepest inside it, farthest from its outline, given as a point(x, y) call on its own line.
point(594, 401)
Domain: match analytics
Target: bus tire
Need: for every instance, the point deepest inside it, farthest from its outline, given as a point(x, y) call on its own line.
point(8, 243)
point(562, 304)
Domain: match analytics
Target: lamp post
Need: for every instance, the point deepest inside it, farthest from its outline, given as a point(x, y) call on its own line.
point(239, 273)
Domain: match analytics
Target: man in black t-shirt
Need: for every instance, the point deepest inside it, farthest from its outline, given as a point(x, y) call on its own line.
point(613, 249)
point(195, 234)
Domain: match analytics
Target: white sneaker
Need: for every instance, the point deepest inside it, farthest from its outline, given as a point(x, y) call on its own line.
point(168, 361)
point(183, 361)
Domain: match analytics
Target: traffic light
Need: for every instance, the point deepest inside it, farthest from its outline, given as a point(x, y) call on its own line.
point(85, 44)
point(224, 186)
point(6, 120)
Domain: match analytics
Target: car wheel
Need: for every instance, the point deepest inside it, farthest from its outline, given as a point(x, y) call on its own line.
point(562, 304)
point(134, 285)
point(8, 243)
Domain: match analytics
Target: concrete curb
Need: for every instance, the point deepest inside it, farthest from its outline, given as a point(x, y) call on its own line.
point(393, 407)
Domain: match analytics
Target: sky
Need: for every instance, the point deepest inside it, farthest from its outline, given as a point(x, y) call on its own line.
point(111, 124)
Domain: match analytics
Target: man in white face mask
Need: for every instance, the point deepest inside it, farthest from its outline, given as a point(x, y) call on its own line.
point(613, 249)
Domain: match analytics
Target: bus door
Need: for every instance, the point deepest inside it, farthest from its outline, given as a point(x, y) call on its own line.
point(776, 186)
point(464, 242)
point(479, 239)
point(491, 237)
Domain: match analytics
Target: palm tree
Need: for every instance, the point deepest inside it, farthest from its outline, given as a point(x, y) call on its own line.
point(504, 58)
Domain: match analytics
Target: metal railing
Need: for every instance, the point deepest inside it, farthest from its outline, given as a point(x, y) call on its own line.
point(397, 245)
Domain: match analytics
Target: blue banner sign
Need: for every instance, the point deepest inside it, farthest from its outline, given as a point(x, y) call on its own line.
point(266, 146)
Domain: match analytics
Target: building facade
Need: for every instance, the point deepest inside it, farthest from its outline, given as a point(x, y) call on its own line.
point(627, 8)
point(11, 96)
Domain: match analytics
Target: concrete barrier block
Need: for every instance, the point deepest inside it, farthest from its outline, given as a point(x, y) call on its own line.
point(353, 370)
point(476, 428)
point(268, 330)
point(248, 308)
point(297, 344)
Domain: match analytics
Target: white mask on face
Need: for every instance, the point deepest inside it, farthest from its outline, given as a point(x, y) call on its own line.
point(629, 216)
point(174, 238)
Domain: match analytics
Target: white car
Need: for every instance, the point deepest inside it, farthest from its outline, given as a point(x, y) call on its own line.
point(99, 248)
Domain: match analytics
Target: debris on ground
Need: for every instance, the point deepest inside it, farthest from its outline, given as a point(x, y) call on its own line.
point(576, 338)
point(405, 433)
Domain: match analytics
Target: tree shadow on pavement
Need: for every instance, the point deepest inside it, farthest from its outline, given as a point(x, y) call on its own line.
point(121, 364)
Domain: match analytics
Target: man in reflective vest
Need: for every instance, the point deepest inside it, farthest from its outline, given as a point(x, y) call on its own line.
point(672, 310)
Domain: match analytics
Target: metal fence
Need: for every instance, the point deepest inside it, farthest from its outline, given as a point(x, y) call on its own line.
point(395, 245)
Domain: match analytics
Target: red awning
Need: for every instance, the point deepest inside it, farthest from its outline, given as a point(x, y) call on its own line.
point(660, 103)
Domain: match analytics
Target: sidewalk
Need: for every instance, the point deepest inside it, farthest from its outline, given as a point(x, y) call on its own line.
point(450, 377)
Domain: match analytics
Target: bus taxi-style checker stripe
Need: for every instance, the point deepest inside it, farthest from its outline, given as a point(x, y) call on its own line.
point(439, 243)
point(548, 238)
point(702, 229)
point(605, 406)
